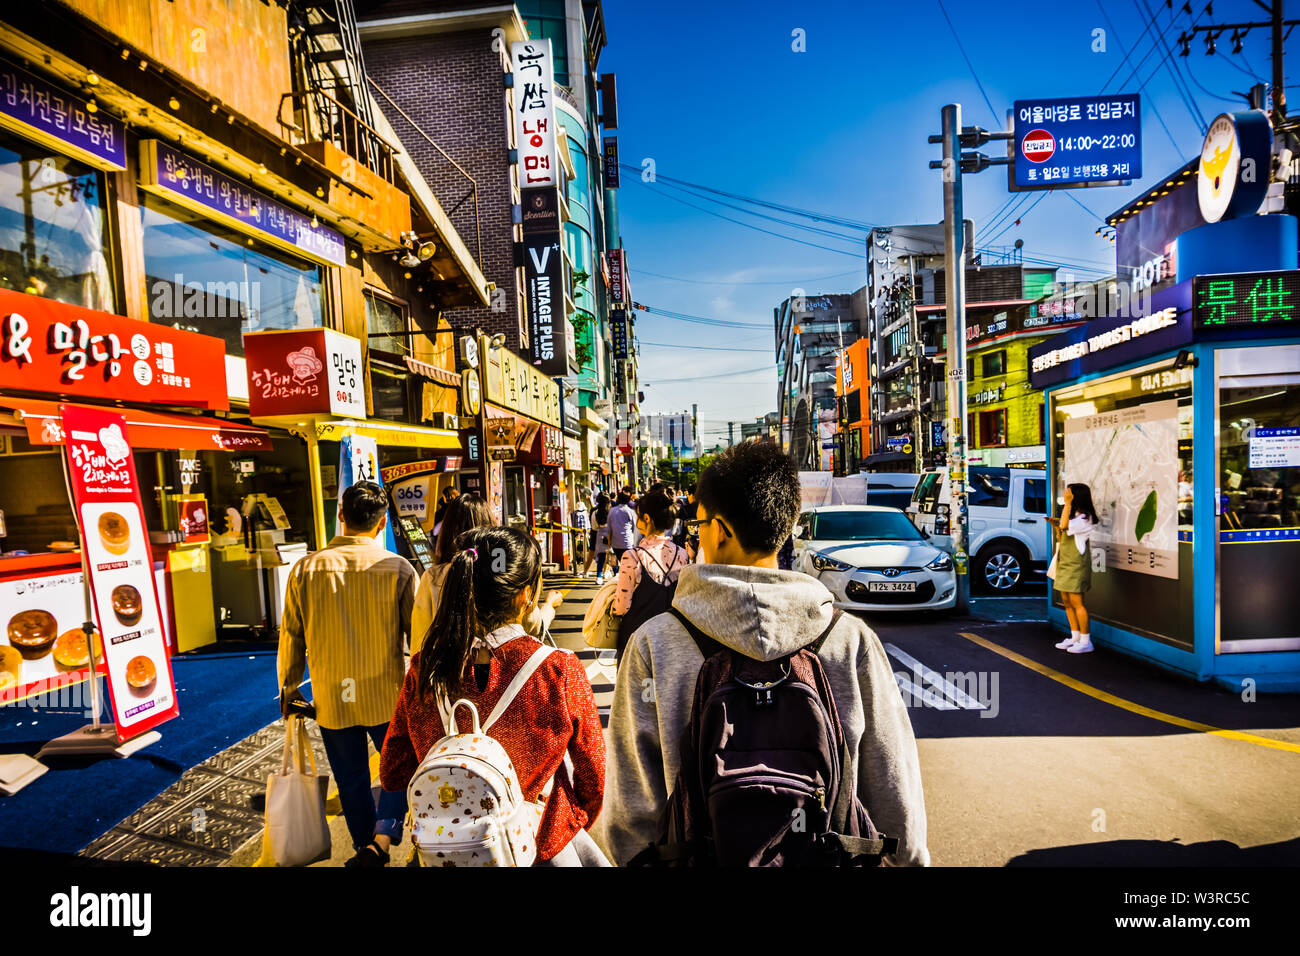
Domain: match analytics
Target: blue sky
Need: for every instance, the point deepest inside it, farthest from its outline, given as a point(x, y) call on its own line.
point(714, 93)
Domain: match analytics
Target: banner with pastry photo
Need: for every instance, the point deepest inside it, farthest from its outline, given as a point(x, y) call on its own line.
point(106, 497)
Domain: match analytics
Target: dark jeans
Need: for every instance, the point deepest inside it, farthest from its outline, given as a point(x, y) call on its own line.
point(618, 556)
point(349, 759)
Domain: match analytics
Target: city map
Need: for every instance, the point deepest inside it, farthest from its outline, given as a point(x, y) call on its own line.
point(1129, 458)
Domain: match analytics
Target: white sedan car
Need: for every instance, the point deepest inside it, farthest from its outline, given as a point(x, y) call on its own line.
point(873, 559)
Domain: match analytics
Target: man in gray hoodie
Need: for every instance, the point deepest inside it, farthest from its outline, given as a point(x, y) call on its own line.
point(748, 501)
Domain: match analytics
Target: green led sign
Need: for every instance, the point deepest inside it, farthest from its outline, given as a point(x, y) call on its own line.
point(1246, 299)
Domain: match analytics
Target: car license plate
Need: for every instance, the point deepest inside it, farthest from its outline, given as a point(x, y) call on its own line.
point(891, 586)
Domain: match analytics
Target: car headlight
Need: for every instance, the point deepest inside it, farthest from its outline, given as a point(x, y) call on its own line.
point(942, 563)
point(823, 563)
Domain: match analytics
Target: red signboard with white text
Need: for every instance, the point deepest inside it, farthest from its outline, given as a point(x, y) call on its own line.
point(106, 495)
point(304, 372)
point(68, 350)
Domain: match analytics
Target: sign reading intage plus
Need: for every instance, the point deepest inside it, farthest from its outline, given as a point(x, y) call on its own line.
point(550, 335)
point(1246, 300)
point(1073, 141)
point(107, 497)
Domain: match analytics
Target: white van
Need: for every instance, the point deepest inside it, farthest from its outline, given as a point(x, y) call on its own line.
point(1007, 536)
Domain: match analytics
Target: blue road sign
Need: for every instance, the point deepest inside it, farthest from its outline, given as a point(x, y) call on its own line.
point(1077, 140)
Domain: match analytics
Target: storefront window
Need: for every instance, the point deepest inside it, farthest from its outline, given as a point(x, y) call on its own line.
point(992, 428)
point(53, 240)
point(995, 363)
point(205, 278)
point(1259, 503)
point(1129, 438)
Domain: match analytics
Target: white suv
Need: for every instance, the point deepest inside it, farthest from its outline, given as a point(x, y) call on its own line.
point(1007, 536)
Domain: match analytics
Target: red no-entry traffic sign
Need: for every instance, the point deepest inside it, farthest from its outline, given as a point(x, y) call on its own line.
point(1038, 145)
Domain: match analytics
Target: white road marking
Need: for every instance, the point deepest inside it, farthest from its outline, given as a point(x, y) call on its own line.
point(935, 679)
point(918, 696)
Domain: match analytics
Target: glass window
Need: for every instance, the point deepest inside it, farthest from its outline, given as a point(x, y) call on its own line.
point(995, 363)
point(1128, 437)
point(993, 428)
point(53, 240)
point(393, 389)
point(1035, 496)
point(203, 277)
point(989, 487)
point(864, 526)
point(1259, 479)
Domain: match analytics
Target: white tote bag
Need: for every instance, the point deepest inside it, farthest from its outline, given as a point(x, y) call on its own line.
point(296, 830)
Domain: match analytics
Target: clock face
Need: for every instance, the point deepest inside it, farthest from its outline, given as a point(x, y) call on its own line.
point(1219, 169)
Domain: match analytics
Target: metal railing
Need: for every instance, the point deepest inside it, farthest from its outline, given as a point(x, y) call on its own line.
point(340, 126)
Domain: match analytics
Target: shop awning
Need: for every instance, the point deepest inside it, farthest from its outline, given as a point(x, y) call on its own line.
point(392, 434)
point(147, 430)
point(433, 372)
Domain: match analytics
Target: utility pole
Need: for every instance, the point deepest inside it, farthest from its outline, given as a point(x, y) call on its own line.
point(730, 438)
point(955, 162)
point(914, 336)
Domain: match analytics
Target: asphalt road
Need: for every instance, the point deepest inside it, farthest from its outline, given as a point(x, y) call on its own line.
point(1031, 770)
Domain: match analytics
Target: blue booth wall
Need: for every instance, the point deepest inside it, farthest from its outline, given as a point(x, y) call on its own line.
point(1272, 671)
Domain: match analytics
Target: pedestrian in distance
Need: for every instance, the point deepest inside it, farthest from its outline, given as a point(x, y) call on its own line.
point(582, 525)
point(752, 619)
point(449, 494)
point(477, 646)
point(600, 534)
point(347, 612)
point(1074, 565)
point(464, 513)
point(647, 574)
point(622, 527)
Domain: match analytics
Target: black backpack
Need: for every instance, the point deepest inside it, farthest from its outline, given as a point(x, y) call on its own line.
point(766, 775)
point(650, 598)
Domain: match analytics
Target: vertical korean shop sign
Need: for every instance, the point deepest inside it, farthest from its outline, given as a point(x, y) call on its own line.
point(117, 555)
point(534, 79)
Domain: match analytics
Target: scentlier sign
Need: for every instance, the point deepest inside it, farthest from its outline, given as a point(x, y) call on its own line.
point(304, 371)
point(48, 346)
point(117, 554)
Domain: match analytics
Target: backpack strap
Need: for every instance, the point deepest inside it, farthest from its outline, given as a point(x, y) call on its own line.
point(517, 684)
point(816, 646)
point(707, 645)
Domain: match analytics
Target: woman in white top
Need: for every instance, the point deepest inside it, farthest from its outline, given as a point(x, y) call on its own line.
point(464, 513)
point(1074, 564)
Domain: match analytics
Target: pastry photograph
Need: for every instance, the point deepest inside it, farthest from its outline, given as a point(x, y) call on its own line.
point(71, 651)
point(33, 633)
point(114, 532)
point(127, 606)
point(11, 668)
point(141, 675)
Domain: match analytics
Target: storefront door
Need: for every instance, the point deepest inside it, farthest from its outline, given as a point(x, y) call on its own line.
point(1258, 513)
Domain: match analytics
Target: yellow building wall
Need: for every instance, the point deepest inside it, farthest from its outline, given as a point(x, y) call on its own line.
point(1020, 399)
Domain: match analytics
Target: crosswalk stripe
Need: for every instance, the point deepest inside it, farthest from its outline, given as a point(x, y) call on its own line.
point(934, 680)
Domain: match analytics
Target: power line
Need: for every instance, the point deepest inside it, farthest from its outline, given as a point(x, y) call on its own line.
point(701, 348)
point(704, 320)
point(748, 225)
point(818, 230)
point(969, 65)
point(788, 282)
point(1171, 64)
point(1041, 197)
point(765, 203)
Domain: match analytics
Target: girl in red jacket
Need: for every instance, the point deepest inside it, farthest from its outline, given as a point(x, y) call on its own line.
point(475, 646)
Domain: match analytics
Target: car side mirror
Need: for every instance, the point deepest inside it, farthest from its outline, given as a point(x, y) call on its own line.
point(925, 534)
point(797, 532)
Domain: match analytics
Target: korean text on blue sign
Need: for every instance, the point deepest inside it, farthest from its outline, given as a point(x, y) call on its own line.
point(1076, 140)
point(186, 177)
point(39, 106)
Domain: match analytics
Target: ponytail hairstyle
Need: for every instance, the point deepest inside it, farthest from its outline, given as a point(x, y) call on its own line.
point(658, 505)
point(489, 567)
point(1081, 502)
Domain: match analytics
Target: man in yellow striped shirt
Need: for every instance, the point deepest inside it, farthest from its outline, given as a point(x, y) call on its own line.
point(347, 612)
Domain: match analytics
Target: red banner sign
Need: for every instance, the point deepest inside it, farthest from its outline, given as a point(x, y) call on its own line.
point(116, 542)
point(48, 346)
point(303, 372)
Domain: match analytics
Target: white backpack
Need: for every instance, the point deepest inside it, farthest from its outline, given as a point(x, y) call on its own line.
point(466, 805)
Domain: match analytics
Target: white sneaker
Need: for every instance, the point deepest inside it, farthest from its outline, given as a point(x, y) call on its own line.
point(1066, 644)
point(1084, 646)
